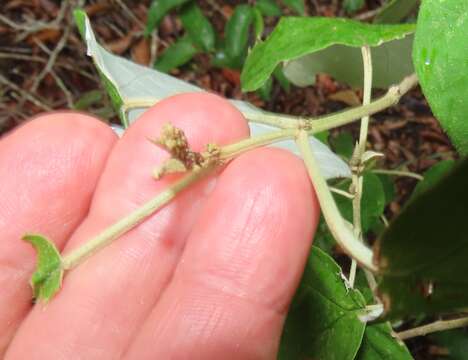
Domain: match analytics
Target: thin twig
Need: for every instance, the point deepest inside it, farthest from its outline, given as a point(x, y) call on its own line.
point(436, 326)
point(399, 173)
point(64, 89)
point(52, 58)
point(130, 13)
point(25, 94)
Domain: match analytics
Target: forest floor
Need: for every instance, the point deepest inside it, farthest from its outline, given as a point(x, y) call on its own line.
point(43, 67)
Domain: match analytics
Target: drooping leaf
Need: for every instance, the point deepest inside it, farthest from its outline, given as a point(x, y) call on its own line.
point(131, 82)
point(294, 38)
point(391, 62)
point(268, 7)
point(47, 278)
point(265, 90)
point(198, 26)
point(440, 57)
point(177, 54)
point(433, 176)
point(324, 318)
point(159, 9)
point(296, 5)
point(351, 6)
point(422, 255)
point(395, 10)
point(379, 344)
point(236, 33)
point(259, 24)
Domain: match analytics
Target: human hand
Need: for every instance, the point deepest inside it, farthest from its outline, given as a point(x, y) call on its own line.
point(209, 276)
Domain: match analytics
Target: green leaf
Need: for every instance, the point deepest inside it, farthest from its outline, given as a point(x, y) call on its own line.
point(395, 10)
point(379, 344)
point(88, 99)
point(177, 54)
point(296, 5)
point(351, 6)
point(373, 199)
point(294, 38)
point(268, 7)
point(259, 24)
point(198, 27)
point(265, 91)
point(433, 176)
point(236, 33)
point(47, 279)
point(343, 144)
point(159, 9)
point(278, 74)
point(441, 60)
point(422, 254)
point(388, 187)
point(323, 238)
point(323, 320)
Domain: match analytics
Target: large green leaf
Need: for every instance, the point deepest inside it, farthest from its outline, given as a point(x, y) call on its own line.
point(47, 278)
point(441, 60)
point(236, 33)
point(128, 82)
point(422, 255)
point(379, 344)
point(324, 319)
point(433, 176)
point(295, 37)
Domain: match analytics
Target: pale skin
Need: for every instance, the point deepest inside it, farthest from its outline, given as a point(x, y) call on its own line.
point(209, 276)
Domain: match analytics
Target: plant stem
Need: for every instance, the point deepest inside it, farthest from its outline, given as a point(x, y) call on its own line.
point(315, 124)
point(356, 160)
point(347, 116)
point(127, 223)
point(398, 173)
point(440, 325)
point(340, 231)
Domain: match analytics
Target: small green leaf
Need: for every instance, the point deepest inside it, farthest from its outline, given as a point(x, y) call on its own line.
point(379, 344)
point(47, 279)
point(236, 33)
point(351, 6)
point(259, 24)
point(395, 10)
point(296, 5)
point(296, 37)
point(278, 74)
point(198, 26)
point(323, 238)
point(265, 91)
point(268, 7)
point(323, 136)
point(88, 99)
point(440, 57)
point(388, 187)
point(323, 321)
point(433, 176)
point(343, 144)
point(177, 54)
point(373, 199)
point(422, 254)
point(159, 9)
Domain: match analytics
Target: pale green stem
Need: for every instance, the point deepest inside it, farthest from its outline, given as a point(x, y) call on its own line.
point(127, 223)
point(398, 173)
point(340, 231)
point(436, 326)
point(357, 156)
point(315, 124)
point(232, 150)
point(341, 192)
